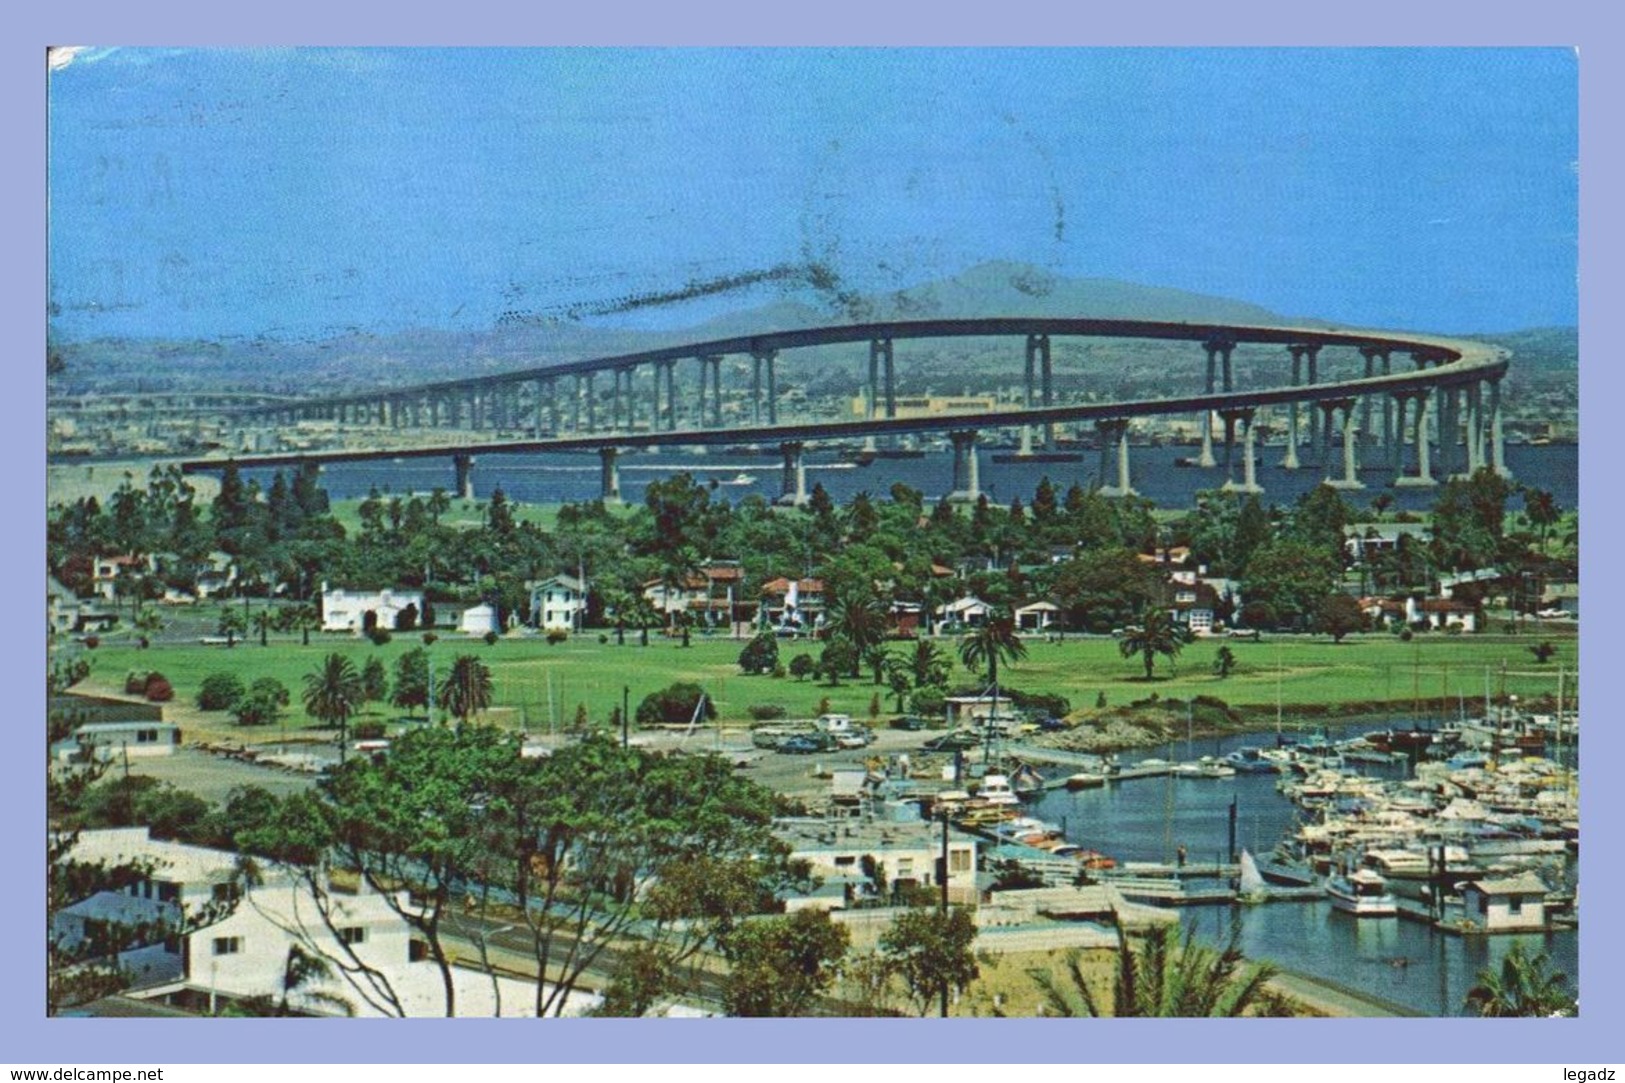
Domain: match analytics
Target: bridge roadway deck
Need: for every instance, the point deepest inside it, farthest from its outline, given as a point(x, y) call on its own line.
point(1485, 367)
point(990, 327)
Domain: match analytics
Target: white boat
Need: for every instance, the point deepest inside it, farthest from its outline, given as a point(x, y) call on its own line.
point(996, 790)
point(1363, 893)
point(1252, 885)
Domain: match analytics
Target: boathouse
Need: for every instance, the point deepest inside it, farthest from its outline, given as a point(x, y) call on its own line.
point(1514, 905)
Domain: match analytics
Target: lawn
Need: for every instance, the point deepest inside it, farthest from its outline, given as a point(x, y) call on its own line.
point(534, 680)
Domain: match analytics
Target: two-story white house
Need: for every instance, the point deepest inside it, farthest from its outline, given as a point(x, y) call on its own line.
point(559, 602)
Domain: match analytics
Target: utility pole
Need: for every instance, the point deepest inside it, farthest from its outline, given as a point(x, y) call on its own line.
point(626, 699)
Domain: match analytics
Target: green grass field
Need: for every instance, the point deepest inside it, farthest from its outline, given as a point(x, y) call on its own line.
point(529, 674)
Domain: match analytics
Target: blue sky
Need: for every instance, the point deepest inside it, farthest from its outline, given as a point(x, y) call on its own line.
point(302, 192)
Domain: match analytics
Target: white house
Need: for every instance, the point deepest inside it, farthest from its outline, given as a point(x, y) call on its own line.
point(969, 610)
point(110, 741)
point(61, 607)
point(480, 620)
point(1441, 613)
point(1037, 616)
point(237, 938)
point(1516, 904)
point(906, 851)
point(347, 611)
point(559, 602)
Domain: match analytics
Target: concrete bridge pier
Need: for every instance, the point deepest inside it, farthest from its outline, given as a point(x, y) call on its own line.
point(1497, 446)
point(575, 405)
point(1029, 377)
point(770, 358)
point(756, 388)
point(1351, 466)
point(667, 370)
point(1290, 462)
point(715, 362)
point(463, 480)
point(1206, 458)
point(793, 480)
point(1038, 346)
point(609, 475)
point(967, 486)
point(1249, 458)
point(1112, 436)
point(1222, 349)
point(1368, 435)
point(1423, 478)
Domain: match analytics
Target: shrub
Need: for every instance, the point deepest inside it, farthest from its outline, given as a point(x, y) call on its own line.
point(929, 703)
point(220, 692)
point(135, 682)
point(557, 635)
point(490, 638)
point(1406, 635)
point(429, 639)
point(673, 705)
point(158, 689)
point(379, 636)
point(764, 712)
point(92, 642)
point(761, 655)
point(603, 637)
point(371, 730)
point(802, 666)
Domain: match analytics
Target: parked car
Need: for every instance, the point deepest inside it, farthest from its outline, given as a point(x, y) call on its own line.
point(801, 745)
point(956, 741)
point(853, 739)
point(1051, 724)
point(911, 722)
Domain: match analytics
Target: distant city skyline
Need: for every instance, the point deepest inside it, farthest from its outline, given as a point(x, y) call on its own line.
point(301, 193)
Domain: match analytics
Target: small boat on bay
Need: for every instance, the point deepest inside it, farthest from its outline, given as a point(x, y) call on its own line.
point(1362, 893)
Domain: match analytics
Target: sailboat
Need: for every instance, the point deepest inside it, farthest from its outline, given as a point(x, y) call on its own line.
point(1253, 887)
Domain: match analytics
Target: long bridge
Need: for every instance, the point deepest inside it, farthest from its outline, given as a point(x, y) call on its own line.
point(1450, 396)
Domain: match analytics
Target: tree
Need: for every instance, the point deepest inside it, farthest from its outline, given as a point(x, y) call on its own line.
point(1164, 978)
point(859, 618)
point(263, 622)
point(1525, 985)
point(1287, 580)
point(1102, 589)
point(761, 654)
point(231, 625)
point(467, 690)
point(1157, 633)
point(802, 666)
point(333, 693)
point(1540, 508)
point(374, 681)
point(674, 705)
point(220, 692)
point(931, 949)
point(262, 704)
point(927, 665)
point(994, 640)
point(1224, 663)
point(1339, 615)
point(411, 679)
point(1543, 651)
point(779, 966)
point(304, 619)
point(837, 658)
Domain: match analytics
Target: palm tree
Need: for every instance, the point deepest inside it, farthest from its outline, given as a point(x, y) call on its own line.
point(263, 622)
point(1164, 979)
point(467, 690)
point(993, 640)
point(927, 665)
point(1526, 985)
point(333, 693)
point(148, 623)
point(1156, 634)
point(232, 625)
point(860, 619)
point(305, 618)
point(1541, 509)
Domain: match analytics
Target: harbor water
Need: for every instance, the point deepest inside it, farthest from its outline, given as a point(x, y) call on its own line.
point(1395, 960)
point(560, 478)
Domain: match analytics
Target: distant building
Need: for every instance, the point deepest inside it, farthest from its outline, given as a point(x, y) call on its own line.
point(1515, 904)
point(558, 603)
point(480, 620)
point(907, 851)
point(928, 405)
point(357, 611)
point(111, 741)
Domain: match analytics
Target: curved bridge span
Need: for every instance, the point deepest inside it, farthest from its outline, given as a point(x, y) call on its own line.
point(1448, 396)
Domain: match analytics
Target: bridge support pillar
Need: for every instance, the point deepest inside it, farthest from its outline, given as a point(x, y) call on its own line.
point(1497, 446)
point(967, 486)
point(463, 471)
point(756, 389)
point(1112, 436)
point(1368, 435)
point(1222, 349)
point(609, 475)
point(592, 402)
point(716, 391)
point(1475, 427)
point(1249, 456)
point(1424, 469)
point(793, 479)
point(771, 358)
point(668, 369)
point(575, 405)
point(1351, 477)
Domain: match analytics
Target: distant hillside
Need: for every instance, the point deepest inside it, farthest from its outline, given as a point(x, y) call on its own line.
point(1542, 348)
point(361, 360)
